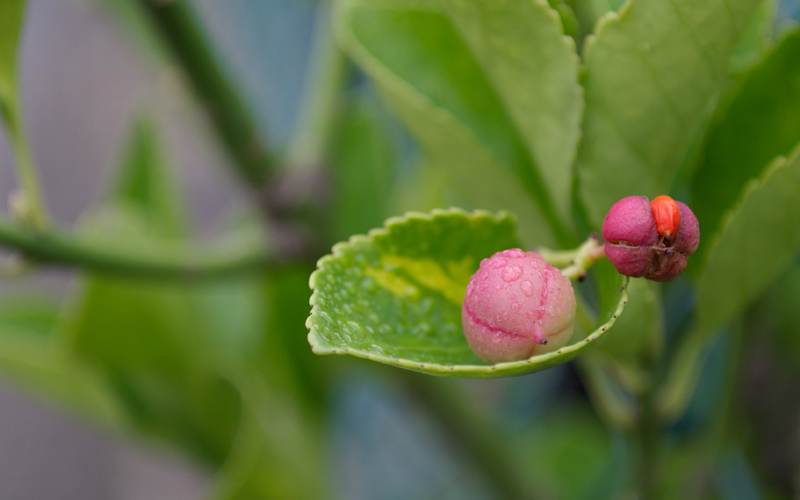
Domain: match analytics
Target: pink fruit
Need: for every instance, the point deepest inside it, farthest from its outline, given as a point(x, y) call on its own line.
point(517, 305)
point(635, 245)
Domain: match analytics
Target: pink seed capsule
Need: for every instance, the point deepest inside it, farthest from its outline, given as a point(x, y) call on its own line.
point(528, 309)
point(650, 239)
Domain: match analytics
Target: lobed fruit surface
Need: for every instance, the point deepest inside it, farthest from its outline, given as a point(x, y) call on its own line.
point(516, 306)
point(650, 240)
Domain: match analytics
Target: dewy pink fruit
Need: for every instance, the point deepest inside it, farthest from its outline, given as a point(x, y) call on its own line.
point(635, 247)
point(517, 305)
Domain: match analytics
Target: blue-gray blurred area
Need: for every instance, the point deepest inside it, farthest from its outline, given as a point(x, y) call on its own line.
point(266, 46)
point(788, 9)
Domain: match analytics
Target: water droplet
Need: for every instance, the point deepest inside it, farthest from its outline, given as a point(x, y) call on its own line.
point(484, 287)
point(515, 306)
point(498, 287)
point(499, 263)
point(512, 273)
point(485, 276)
point(513, 253)
point(470, 289)
point(527, 288)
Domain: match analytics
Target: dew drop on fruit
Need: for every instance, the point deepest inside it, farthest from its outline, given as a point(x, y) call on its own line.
point(511, 273)
point(527, 288)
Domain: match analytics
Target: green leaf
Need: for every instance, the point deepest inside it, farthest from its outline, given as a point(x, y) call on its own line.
point(651, 72)
point(30, 357)
point(284, 357)
point(776, 313)
point(363, 156)
point(395, 296)
point(12, 15)
point(156, 342)
point(758, 239)
point(640, 330)
point(522, 49)
point(145, 182)
point(430, 78)
point(153, 343)
point(588, 12)
point(756, 39)
point(762, 122)
point(277, 453)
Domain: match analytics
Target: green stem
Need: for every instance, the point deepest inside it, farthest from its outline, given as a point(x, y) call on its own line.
point(31, 207)
point(178, 26)
point(164, 262)
point(575, 263)
point(469, 432)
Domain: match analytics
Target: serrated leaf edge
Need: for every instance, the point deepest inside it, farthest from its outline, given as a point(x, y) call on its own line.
point(529, 365)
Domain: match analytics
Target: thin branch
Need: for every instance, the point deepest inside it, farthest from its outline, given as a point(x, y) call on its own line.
point(166, 261)
point(179, 28)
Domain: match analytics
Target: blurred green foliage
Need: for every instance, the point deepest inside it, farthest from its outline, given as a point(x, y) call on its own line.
point(549, 110)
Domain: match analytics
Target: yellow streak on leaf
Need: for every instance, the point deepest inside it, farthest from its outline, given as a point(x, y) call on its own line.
point(392, 282)
point(451, 283)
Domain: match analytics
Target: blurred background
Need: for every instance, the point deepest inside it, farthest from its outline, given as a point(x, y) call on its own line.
point(84, 76)
point(87, 70)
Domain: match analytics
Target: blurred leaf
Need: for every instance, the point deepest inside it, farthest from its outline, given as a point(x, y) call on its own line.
point(395, 296)
point(571, 456)
point(650, 73)
point(30, 357)
point(569, 21)
point(145, 181)
point(758, 240)
point(276, 454)
point(429, 77)
point(154, 340)
point(12, 15)
point(521, 47)
point(364, 156)
point(422, 187)
point(284, 358)
point(639, 332)
point(588, 12)
point(775, 314)
point(740, 144)
point(756, 39)
point(613, 403)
